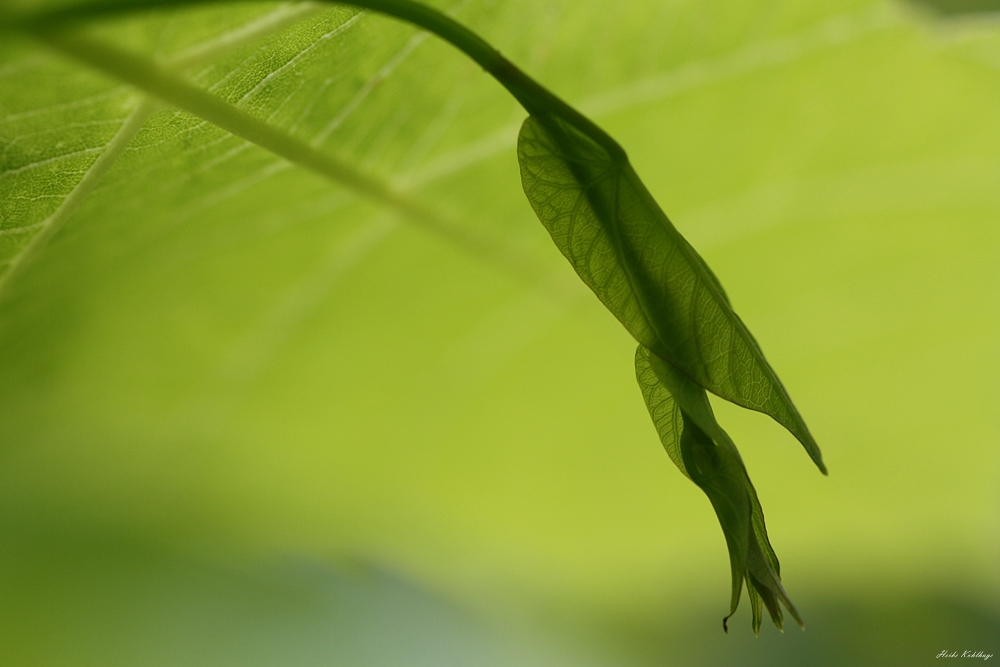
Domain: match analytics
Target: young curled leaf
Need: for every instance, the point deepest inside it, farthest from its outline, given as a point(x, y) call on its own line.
point(663, 408)
point(622, 245)
point(688, 428)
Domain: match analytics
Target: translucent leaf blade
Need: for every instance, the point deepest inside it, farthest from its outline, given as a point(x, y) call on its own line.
point(622, 245)
point(663, 409)
point(712, 461)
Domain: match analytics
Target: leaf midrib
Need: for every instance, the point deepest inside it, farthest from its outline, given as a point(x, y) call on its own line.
point(131, 125)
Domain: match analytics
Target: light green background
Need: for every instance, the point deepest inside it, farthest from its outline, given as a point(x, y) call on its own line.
point(229, 388)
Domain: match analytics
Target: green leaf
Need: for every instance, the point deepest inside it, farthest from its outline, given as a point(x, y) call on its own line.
point(622, 245)
point(581, 185)
point(686, 424)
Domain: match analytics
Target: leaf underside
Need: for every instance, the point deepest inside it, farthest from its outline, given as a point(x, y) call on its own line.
point(622, 245)
point(625, 249)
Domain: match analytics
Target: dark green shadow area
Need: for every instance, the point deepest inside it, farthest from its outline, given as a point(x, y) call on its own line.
point(959, 7)
point(113, 601)
point(903, 631)
point(119, 601)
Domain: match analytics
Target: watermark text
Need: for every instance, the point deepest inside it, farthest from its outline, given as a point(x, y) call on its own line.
point(964, 654)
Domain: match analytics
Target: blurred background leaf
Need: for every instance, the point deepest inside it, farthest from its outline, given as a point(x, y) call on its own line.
point(224, 379)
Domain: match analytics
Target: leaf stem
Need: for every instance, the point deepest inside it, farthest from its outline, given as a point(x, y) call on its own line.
point(535, 98)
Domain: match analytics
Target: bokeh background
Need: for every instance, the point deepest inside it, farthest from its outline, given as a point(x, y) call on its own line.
point(250, 417)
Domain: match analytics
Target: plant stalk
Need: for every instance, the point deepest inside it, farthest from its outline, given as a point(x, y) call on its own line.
point(535, 98)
